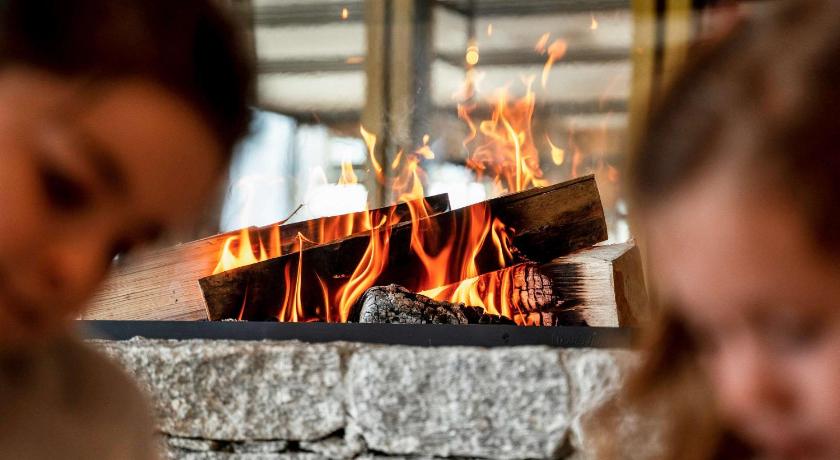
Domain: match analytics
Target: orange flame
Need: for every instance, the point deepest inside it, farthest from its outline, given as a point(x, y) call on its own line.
point(558, 155)
point(541, 43)
point(370, 267)
point(505, 148)
point(493, 293)
point(370, 142)
point(240, 250)
point(555, 52)
point(471, 57)
point(348, 176)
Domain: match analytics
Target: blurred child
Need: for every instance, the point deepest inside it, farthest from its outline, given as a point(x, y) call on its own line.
point(116, 117)
point(736, 191)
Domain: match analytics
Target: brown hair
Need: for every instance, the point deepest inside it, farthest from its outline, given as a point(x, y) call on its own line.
point(190, 47)
point(767, 98)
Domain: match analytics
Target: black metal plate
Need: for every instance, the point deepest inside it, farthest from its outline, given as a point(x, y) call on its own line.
point(429, 335)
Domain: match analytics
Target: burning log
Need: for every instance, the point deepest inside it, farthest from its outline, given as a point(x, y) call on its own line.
point(396, 304)
point(597, 286)
point(322, 283)
point(162, 284)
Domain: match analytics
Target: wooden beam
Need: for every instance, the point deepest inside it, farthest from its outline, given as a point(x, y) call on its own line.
point(163, 284)
point(548, 222)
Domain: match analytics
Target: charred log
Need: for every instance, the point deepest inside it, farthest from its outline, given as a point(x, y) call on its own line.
point(397, 305)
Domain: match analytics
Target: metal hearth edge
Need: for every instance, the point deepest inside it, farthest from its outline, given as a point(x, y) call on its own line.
point(426, 335)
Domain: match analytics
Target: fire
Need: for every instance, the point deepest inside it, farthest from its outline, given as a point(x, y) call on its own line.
point(243, 254)
point(368, 270)
point(556, 51)
point(344, 14)
point(243, 249)
point(593, 25)
point(292, 307)
point(450, 253)
point(471, 57)
point(558, 155)
point(498, 293)
point(370, 143)
point(494, 293)
point(348, 176)
point(541, 43)
point(504, 147)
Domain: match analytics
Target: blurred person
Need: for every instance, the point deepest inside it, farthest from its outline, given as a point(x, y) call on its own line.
point(736, 192)
point(116, 117)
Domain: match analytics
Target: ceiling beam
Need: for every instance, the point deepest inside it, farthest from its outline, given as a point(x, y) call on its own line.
point(485, 8)
point(524, 57)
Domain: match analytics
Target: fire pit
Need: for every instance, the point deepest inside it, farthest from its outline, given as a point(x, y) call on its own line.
point(509, 329)
point(511, 370)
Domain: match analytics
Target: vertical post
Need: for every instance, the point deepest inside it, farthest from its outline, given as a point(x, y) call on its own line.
point(398, 72)
point(679, 31)
point(644, 51)
point(663, 30)
point(410, 72)
point(377, 68)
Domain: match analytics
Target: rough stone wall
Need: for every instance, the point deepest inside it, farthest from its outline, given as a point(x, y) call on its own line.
point(290, 400)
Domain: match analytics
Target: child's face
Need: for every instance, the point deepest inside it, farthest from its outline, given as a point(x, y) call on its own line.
point(84, 175)
point(763, 303)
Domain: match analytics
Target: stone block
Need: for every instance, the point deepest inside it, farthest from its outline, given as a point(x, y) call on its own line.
point(473, 402)
point(239, 391)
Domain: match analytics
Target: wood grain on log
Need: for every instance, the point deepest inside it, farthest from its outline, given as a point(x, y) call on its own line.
point(606, 284)
point(547, 222)
point(162, 284)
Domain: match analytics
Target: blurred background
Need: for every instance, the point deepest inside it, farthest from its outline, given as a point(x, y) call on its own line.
point(474, 98)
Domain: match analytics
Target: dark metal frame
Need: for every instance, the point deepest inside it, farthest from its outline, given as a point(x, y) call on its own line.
point(426, 335)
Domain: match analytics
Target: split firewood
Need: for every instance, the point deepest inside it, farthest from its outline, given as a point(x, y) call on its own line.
point(606, 283)
point(597, 286)
point(163, 284)
point(397, 305)
point(546, 222)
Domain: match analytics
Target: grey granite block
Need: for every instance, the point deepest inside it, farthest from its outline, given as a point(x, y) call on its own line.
point(597, 377)
point(496, 403)
point(239, 391)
